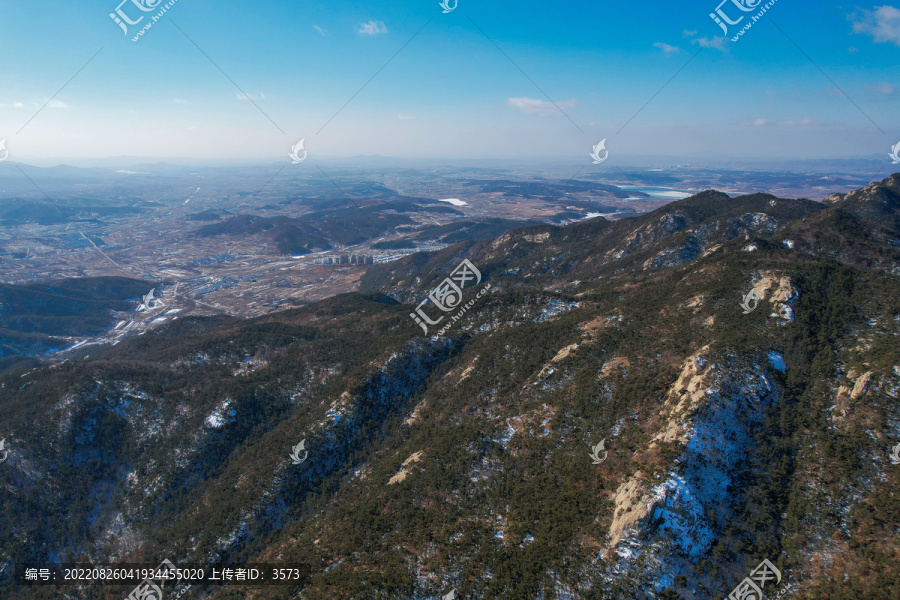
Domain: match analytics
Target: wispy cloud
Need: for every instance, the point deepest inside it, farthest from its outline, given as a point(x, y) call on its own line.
point(534, 106)
point(52, 104)
point(883, 24)
point(689, 33)
point(883, 88)
point(179, 101)
point(405, 117)
point(667, 48)
point(320, 30)
point(788, 123)
point(717, 43)
point(251, 96)
point(372, 28)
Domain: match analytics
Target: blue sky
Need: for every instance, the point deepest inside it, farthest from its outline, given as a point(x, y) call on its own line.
point(450, 93)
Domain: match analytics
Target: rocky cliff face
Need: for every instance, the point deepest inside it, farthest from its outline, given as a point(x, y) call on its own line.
point(738, 359)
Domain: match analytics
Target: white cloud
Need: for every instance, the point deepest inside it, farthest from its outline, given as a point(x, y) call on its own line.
point(405, 117)
point(251, 96)
point(716, 42)
point(667, 48)
point(883, 24)
point(533, 106)
point(689, 33)
point(760, 122)
point(319, 29)
point(883, 88)
point(372, 28)
point(43, 103)
point(179, 101)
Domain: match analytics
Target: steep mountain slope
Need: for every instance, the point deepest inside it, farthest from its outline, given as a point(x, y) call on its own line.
point(736, 427)
point(879, 202)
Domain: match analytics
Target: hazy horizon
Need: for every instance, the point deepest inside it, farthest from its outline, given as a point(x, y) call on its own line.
point(363, 162)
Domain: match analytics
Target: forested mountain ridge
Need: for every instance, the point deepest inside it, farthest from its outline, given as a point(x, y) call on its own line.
point(738, 357)
point(34, 318)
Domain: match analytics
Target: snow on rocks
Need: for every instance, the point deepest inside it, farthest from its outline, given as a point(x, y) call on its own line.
point(777, 361)
point(780, 292)
point(220, 415)
point(713, 414)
